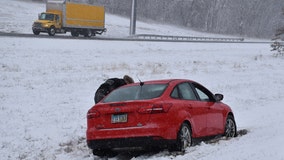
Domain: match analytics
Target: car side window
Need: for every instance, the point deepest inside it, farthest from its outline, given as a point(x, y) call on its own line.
point(183, 91)
point(203, 93)
point(175, 93)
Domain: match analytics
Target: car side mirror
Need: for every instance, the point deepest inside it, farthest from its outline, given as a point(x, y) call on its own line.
point(219, 97)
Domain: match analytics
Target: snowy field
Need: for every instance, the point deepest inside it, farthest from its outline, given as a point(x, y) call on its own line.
point(47, 87)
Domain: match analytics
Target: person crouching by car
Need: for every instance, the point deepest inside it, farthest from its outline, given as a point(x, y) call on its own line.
point(109, 85)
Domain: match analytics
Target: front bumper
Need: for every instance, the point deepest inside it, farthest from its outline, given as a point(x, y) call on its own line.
point(40, 29)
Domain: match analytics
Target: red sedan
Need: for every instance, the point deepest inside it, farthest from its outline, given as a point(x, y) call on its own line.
point(161, 113)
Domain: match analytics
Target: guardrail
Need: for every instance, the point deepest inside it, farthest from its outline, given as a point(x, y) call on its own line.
point(146, 37)
point(183, 38)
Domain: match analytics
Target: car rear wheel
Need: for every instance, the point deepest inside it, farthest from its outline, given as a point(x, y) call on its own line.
point(230, 128)
point(184, 138)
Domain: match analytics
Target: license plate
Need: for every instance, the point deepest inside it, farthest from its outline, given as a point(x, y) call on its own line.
point(118, 118)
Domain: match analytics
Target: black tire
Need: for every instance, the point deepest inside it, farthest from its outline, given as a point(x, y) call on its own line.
point(104, 153)
point(88, 33)
point(36, 32)
point(51, 31)
point(230, 127)
point(74, 33)
point(184, 138)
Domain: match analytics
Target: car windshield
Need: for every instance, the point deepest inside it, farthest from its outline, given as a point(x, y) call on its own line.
point(45, 16)
point(146, 91)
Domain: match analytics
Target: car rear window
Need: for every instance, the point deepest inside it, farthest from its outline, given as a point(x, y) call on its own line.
point(146, 91)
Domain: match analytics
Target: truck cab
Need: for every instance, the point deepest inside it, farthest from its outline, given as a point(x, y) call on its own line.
point(48, 22)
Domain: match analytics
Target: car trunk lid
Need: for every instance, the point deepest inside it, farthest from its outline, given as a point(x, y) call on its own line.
point(119, 115)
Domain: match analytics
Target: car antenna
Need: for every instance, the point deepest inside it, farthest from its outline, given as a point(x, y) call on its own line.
point(141, 83)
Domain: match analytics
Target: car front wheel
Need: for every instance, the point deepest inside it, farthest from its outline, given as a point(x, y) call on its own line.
point(230, 127)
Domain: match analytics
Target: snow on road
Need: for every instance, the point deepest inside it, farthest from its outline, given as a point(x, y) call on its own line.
point(47, 86)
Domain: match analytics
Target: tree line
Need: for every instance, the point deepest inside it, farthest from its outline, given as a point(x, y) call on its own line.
point(254, 18)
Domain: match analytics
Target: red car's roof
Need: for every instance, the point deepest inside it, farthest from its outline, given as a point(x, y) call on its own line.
point(163, 81)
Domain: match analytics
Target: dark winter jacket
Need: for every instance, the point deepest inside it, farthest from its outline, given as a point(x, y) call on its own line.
point(107, 87)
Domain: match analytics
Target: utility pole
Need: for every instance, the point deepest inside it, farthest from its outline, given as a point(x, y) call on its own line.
point(133, 18)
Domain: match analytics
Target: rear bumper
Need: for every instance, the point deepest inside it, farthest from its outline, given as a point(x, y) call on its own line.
point(146, 136)
point(137, 142)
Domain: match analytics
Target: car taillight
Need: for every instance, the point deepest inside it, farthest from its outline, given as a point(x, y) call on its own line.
point(93, 114)
point(155, 108)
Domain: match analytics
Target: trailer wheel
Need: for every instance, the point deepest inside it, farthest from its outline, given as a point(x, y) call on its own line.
point(74, 33)
point(51, 31)
point(88, 33)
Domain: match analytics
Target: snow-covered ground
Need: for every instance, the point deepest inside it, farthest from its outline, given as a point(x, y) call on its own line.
point(47, 86)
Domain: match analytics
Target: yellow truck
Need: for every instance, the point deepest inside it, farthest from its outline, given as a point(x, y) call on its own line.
point(79, 19)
